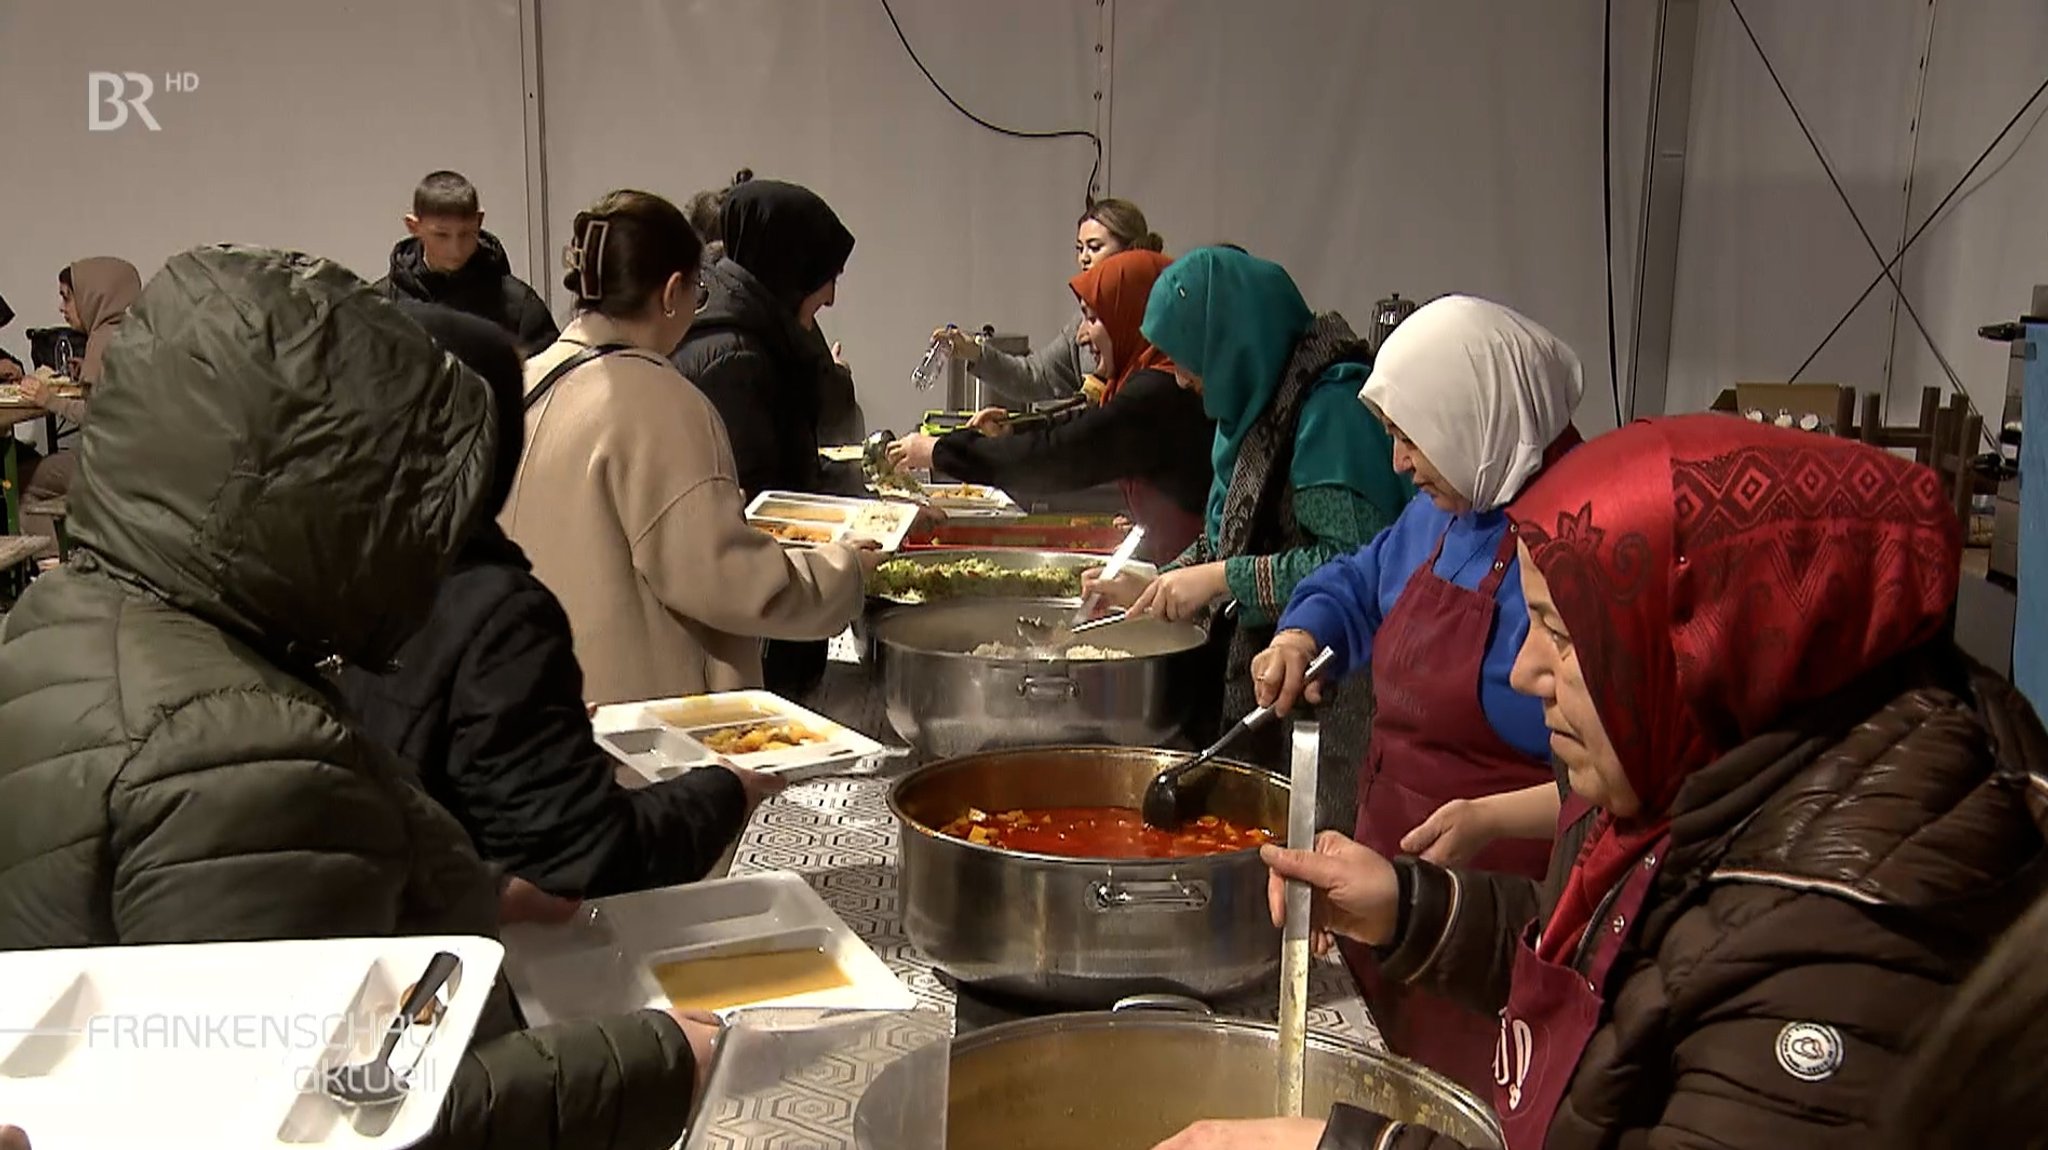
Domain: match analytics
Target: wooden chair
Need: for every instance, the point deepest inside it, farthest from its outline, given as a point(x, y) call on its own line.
point(56, 509)
point(1919, 438)
point(18, 562)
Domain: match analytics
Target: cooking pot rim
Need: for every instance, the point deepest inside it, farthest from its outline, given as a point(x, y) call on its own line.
point(905, 822)
point(1092, 1020)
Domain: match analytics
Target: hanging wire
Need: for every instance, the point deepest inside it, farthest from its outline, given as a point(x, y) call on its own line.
point(1607, 201)
point(1016, 133)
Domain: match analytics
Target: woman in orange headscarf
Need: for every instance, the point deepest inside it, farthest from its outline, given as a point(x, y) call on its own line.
point(1149, 436)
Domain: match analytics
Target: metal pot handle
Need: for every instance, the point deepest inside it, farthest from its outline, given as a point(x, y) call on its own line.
point(1040, 688)
point(1149, 894)
point(1177, 1003)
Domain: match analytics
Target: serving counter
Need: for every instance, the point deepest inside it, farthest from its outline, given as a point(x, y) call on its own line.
point(839, 835)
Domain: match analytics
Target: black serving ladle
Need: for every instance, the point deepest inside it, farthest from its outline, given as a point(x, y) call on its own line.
point(1176, 794)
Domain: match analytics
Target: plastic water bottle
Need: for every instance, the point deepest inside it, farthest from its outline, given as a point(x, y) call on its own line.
point(932, 367)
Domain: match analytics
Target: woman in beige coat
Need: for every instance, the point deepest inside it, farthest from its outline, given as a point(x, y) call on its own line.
point(627, 499)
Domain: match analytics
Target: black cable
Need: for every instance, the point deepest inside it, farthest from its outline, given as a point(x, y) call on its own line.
point(1932, 216)
point(1607, 199)
point(1061, 134)
point(1955, 380)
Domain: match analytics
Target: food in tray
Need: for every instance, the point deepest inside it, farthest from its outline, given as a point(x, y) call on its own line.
point(964, 493)
point(896, 483)
point(912, 581)
point(1077, 652)
point(1102, 833)
point(804, 512)
point(717, 983)
point(755, 738)
point(794, 532)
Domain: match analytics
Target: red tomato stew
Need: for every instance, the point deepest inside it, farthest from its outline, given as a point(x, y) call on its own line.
point(1101, 833)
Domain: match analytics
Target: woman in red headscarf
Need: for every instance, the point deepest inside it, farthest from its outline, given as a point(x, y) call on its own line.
point(1803, 810)
point(1150, 436)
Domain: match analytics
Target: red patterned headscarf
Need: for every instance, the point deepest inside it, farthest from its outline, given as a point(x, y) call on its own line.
point(1715, 574)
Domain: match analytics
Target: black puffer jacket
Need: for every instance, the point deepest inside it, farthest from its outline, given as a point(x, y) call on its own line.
point(487, 699)
point(172, 768)
point(484, 287)
point(1837, 877)
point(761, 371)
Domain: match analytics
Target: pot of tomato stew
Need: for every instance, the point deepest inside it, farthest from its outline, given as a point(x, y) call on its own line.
point(1030, 873)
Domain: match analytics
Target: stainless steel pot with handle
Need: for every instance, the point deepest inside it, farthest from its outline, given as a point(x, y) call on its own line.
point(1082, 932)
point(1128, 1080)
point(946, 700)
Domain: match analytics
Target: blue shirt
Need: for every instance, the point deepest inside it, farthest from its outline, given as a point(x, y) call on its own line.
point(1343, 603)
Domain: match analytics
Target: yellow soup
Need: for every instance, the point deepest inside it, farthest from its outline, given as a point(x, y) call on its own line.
point(716, 983)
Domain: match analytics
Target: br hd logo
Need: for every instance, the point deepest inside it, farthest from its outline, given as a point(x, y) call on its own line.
point(115, 95)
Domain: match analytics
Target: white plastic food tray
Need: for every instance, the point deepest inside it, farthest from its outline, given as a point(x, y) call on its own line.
point(601, 963)
point(225, 1044)
point(884, 524)
point(661, 738)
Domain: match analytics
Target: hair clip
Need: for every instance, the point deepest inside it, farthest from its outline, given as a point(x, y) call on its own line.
point(590, 261)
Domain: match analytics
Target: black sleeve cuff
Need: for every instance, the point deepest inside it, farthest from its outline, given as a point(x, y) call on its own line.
point(1428, 899)
point(1351, 1128)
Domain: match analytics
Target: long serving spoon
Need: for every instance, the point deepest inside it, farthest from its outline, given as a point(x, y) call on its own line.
point(1051, 637)
point(1301, 836)
point(1176, 793)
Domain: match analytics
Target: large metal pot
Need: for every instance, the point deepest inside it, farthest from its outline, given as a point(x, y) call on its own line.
point(945, 700)
point(1131, 1079)
point(1082, 932)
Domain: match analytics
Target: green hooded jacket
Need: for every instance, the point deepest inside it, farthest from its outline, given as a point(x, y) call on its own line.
point(278, 469)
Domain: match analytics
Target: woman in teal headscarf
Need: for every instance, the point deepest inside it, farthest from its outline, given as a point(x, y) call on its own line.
point(1304, 472)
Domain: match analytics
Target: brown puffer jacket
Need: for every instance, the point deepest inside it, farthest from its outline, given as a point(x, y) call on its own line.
point(1848, 869)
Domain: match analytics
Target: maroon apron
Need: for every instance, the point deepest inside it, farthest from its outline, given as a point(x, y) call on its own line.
point(1553, 1011)
point(1431, 743)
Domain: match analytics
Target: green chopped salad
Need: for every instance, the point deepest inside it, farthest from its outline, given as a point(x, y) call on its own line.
point(911, 581)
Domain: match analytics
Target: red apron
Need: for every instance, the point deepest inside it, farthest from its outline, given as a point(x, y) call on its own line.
point(1553, 1011)
point(1169, 528)
point(1431, 743)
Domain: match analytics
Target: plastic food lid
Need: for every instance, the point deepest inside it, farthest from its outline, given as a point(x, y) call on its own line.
point(874, 1079)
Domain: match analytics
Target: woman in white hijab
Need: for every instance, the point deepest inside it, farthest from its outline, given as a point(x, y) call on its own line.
point(1478, 399)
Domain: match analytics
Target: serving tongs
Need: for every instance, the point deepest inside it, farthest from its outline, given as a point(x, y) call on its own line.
point(882, 475)
point(1053, 636)
point(1177, 793)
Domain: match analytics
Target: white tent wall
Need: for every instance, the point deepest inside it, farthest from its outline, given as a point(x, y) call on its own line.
point(309, 127)
point(952, 223)
point(1370, 146)
point(1393, 146)
point(1979, 262)
point(1769, 259)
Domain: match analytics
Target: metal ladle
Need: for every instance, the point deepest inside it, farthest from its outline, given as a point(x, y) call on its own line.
point(1177, 792)
point(1294, 932)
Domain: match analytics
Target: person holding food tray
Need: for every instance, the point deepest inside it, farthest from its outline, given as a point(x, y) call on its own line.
point(1800, 816)
point(1301, 473)
point(628, 498)
point(486, 699)
point(173, 769)
point(1478, 400)
point(1148, 436)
